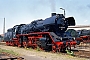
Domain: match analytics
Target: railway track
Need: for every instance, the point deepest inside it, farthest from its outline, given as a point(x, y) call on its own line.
point(82, 53)
point(5, 56)
point(82, 50)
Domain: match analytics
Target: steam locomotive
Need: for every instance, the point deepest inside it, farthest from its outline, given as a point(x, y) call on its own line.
point(49, 34)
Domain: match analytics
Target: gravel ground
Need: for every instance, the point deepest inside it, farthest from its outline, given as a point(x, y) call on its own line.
point(30, 54)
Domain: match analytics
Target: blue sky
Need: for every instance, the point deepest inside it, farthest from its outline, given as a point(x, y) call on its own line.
point(24, 11)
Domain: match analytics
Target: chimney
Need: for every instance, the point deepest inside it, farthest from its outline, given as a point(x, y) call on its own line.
point(53, 14)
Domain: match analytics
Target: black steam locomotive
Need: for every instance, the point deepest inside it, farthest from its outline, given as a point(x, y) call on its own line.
point(57, 24)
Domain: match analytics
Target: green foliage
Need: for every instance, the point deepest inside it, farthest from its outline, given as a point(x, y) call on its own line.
point(38, 49)
point(70, 52)
point(9, 52)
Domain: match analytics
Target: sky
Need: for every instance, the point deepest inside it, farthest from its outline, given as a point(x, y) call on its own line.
point(18, 12)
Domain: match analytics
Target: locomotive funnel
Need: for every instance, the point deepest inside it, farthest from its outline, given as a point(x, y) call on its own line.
point(53, 14)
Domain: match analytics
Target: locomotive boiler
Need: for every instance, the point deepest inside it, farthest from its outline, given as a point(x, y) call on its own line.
point(49, 34)
point(57, 23)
